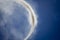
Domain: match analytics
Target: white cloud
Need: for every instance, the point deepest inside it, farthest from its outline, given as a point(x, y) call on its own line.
point(7, 7)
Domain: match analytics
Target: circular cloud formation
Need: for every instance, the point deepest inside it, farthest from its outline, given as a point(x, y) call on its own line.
point(32, 16)
point(8, 8)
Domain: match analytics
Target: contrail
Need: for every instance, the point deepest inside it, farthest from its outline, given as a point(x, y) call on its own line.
point(32, 16)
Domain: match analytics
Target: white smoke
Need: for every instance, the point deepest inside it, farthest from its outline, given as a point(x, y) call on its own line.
point(7, 7)
point(32, 16)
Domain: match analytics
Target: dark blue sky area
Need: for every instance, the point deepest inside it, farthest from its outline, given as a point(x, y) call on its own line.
point(48, 12)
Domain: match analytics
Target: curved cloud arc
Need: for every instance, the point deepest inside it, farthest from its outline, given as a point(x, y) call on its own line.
point(32, 16)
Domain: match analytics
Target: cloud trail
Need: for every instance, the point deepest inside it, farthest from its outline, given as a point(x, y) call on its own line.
point(32, 16)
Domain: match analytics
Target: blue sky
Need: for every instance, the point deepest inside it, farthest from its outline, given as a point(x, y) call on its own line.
point(48, 12)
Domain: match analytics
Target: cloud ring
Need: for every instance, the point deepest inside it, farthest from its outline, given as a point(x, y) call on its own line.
point(32, 16)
